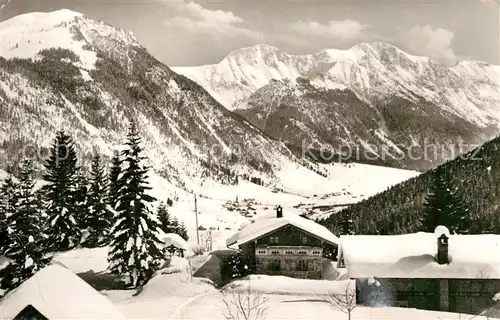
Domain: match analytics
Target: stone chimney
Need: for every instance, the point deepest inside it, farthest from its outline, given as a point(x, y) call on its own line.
point(442, 235)
point(279, 212)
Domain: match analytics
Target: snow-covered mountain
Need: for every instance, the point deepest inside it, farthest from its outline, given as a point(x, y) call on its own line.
point(62, 70)
point(371, 70)
point(371, 96)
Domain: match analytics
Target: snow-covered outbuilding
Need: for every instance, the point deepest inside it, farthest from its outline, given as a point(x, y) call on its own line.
point(56, 293)
point(459, 273)
point(287, 245)
point(174, 244)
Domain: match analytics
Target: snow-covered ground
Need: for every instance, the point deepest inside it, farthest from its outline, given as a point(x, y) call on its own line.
point(312, 307)
point(174, 294)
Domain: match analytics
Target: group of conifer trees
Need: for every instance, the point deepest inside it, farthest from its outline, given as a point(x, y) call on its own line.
point(75, 206)
point(443, 205)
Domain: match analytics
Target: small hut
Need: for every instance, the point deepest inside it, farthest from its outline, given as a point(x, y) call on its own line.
point(174, 244)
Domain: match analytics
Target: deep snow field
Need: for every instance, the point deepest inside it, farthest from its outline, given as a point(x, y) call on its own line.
point(174, 294)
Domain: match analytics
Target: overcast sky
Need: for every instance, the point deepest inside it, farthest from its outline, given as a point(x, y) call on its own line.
point(193, 33)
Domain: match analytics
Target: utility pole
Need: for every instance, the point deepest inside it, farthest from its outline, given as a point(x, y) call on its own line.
point(196, 215)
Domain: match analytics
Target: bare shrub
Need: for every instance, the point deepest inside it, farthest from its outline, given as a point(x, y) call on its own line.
point(245, 305)
point(344, 302)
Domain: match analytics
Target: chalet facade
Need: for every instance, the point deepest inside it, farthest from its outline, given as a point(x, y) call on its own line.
point(441, 272)
point(285, 245)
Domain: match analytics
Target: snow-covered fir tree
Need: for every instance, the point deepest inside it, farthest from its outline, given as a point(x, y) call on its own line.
point(59, 194)
point(27, 239)
point(114, 180)
point(99, 218)
point(8, 206)
point(81, 197)
point(135, 251)
point(182, 231)
point(164, 218)
point(444, 206)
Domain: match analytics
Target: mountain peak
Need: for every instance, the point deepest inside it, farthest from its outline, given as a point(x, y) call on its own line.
point(42, 19)
point(24, 36)
point(253, 51)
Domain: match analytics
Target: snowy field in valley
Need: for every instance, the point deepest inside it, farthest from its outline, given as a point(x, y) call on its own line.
point(299, 190)
point(174, 294)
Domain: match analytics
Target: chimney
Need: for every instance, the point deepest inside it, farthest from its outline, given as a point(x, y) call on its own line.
point(279, 212)
point(442, 235)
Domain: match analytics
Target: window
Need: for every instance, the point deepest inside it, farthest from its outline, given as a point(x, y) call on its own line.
point(288, 252)
point(316, 252)
point(274, 265)
point(302, 265)
point(274, 240)
point(262, 251)
point(303, 252)
point(275, 252)
point(304, 240)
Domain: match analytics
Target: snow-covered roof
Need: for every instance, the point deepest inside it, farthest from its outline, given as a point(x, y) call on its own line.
point(58, 293)
point(173, 239)
point(413, 256)
point(265, 225)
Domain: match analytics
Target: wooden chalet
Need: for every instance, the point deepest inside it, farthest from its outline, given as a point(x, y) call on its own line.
point(441, 272)
point(287, 245)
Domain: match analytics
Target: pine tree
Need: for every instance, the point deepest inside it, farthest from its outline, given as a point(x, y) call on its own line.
point(99, 219)
point(81, 198)
point(174, 225)
point(8, 206)
point(164, 218)
point(61, 170)
point(27, 239)
point(114, 180)
point(182, 231)
point(134, 249)
point(444, 206)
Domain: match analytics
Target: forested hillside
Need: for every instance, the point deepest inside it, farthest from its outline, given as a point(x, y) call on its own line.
point(476, 175)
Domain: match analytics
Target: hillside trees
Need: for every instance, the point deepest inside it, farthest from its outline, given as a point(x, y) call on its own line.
point(473, 176)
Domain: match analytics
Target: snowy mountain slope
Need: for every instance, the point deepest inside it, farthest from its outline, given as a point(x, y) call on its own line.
point(398, 132)
point(66, 71)
point(372, 97)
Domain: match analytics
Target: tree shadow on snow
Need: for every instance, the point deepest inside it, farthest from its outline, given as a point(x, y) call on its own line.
point(103, 280)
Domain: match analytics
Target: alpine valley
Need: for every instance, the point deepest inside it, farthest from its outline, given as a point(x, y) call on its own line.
point(238, 128)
